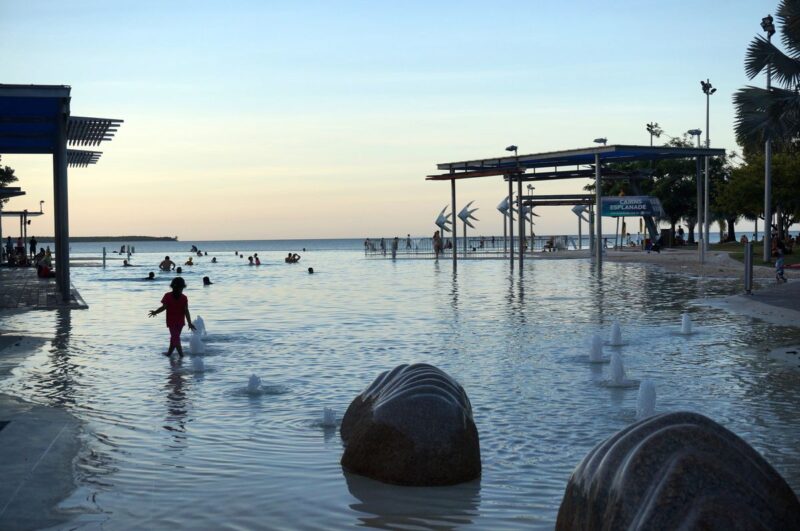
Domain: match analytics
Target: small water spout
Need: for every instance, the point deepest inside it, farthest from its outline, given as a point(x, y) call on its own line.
point(646, 401)
point(616, 334)
point(617, 369)
point(686, 324)
point(328, 418)
point(253, 384)
point(596, 352)
point(200, 325)
point(196, 345)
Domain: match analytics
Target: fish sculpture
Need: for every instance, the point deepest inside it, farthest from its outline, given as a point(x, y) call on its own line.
point(466, 214)
point(443, 221)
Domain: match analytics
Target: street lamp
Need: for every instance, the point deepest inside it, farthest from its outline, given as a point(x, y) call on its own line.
point(701, 247)
point(602, 140)
point(655, 131)
point(708, 90)
point(769, 28)
point(697, 133)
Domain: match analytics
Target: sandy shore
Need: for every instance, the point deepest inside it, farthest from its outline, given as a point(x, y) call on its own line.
point(37, 449)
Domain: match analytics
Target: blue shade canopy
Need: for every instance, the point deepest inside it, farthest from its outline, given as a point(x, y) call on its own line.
point(28, 117)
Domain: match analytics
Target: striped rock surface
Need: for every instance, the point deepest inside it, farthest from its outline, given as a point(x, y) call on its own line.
point(677, 471)
point(412, 426)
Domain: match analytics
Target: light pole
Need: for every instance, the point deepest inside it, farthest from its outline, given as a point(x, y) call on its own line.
point(655, 131)
point(511, 207)
point(530, 193)
point(769, 27)
point(708, 90)
point(700, 239)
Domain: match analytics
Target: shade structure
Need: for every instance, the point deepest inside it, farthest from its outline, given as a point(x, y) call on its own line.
point(35, 119)
point(580, 163)
point(571, 157)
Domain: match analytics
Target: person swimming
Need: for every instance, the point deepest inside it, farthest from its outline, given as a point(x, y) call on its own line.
point(151, 276)
point(250, 260)
point(310, 270)
point(292, 258)
point(214, 260)
point(189, 262)
point(166, 264)
point(179, 270)
point(207, 281)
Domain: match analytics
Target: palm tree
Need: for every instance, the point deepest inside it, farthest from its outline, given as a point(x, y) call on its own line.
point(774, 112)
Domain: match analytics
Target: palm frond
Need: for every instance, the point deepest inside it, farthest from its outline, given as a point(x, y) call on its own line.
point(761, 54)
point(761, 113)
point(788, 16)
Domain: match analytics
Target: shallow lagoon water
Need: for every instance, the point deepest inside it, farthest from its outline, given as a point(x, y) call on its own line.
point(168, 445)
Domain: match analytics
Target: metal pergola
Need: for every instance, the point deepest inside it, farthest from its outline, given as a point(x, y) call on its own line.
point(35, 119)
point(579, 163)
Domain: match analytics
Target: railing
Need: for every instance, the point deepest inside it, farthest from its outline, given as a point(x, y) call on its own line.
point(476, 246)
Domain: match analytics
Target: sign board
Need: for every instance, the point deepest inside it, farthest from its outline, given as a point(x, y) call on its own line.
point(635, 205)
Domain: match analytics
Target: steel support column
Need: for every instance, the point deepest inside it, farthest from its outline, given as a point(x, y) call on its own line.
point(521, 223)
point(511, 220)
point(598, 213)
point(700, 236)
point(61, 204)
point(455, 222)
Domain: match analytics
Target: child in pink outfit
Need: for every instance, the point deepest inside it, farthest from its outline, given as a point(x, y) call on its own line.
point(177, 306)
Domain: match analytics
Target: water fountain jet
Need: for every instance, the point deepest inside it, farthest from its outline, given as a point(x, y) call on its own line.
point(646, 400)
point(328, 418)
point(686, 324)
point(596, 351)
point(616, 334)
point(617, 369)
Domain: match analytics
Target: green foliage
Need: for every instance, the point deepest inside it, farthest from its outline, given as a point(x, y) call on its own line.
point(775, 113)
point(6, 177)
point(745, 193)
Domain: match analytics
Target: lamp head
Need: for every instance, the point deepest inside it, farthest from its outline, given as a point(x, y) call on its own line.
point(694, 132)
point(512, 148)
point(768, 26)
point(602, 140)
point(707, 88)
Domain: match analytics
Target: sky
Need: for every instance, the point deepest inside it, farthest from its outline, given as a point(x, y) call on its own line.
point(280, 120)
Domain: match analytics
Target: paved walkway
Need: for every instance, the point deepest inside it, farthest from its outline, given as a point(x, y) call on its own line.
point(21, 289)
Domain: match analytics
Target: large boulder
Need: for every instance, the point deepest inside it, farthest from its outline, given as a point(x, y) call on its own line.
point(412, 426)
point(677, 471)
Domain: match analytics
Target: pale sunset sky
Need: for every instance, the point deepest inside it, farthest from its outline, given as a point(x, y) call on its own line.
point(273, 120)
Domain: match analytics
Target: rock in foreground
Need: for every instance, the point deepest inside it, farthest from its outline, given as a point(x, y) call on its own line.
point(677, 471)
point(412, 426)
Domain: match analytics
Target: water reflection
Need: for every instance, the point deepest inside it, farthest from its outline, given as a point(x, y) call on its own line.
point(58, 381)
point(395, 507)
point(177, 407)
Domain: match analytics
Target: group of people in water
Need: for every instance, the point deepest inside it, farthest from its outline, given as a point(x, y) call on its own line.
point(176, 304)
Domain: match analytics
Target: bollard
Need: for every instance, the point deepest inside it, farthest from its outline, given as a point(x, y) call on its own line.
point(748, 268)
point(104, 257)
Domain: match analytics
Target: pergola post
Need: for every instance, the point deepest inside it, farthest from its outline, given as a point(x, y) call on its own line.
point(521, 222)
point(510, 220)
point(455, 222)
point(61, 203)
point(598, 215)
point(700, 232)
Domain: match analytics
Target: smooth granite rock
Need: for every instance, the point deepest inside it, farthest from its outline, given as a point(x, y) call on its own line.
point(677, 471)
point(412, 426)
